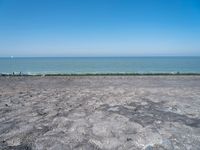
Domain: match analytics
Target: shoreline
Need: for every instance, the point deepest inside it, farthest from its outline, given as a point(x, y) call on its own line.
point(104, 74)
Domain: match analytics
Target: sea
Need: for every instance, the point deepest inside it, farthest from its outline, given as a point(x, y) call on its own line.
point(98, 65)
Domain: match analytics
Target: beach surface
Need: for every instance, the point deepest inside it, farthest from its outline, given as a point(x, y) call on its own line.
point(100, 112)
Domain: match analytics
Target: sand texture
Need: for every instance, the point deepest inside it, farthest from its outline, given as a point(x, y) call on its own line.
point(100, 112)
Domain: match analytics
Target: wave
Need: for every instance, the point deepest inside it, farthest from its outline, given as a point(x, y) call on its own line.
point(97, 74)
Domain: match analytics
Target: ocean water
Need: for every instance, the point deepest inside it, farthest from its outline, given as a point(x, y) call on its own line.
point(100, 65)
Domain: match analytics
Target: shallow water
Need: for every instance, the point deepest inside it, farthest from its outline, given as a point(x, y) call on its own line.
point(100, 65)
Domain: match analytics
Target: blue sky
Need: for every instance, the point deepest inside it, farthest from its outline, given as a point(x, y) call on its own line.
point(99, 28)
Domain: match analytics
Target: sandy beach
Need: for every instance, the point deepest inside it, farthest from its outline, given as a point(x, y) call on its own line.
point(100, 112)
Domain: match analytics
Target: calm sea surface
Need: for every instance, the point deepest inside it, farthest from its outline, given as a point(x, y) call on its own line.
point(101, 65)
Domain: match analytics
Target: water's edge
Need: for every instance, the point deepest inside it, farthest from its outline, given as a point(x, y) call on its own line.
point(107, 74)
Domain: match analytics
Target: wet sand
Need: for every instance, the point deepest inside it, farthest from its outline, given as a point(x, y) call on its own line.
point(100, 112)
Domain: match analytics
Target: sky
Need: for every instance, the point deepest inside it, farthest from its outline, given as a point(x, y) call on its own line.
point(87, 28)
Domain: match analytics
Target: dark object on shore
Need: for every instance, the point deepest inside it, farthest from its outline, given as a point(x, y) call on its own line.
point(129, 139)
